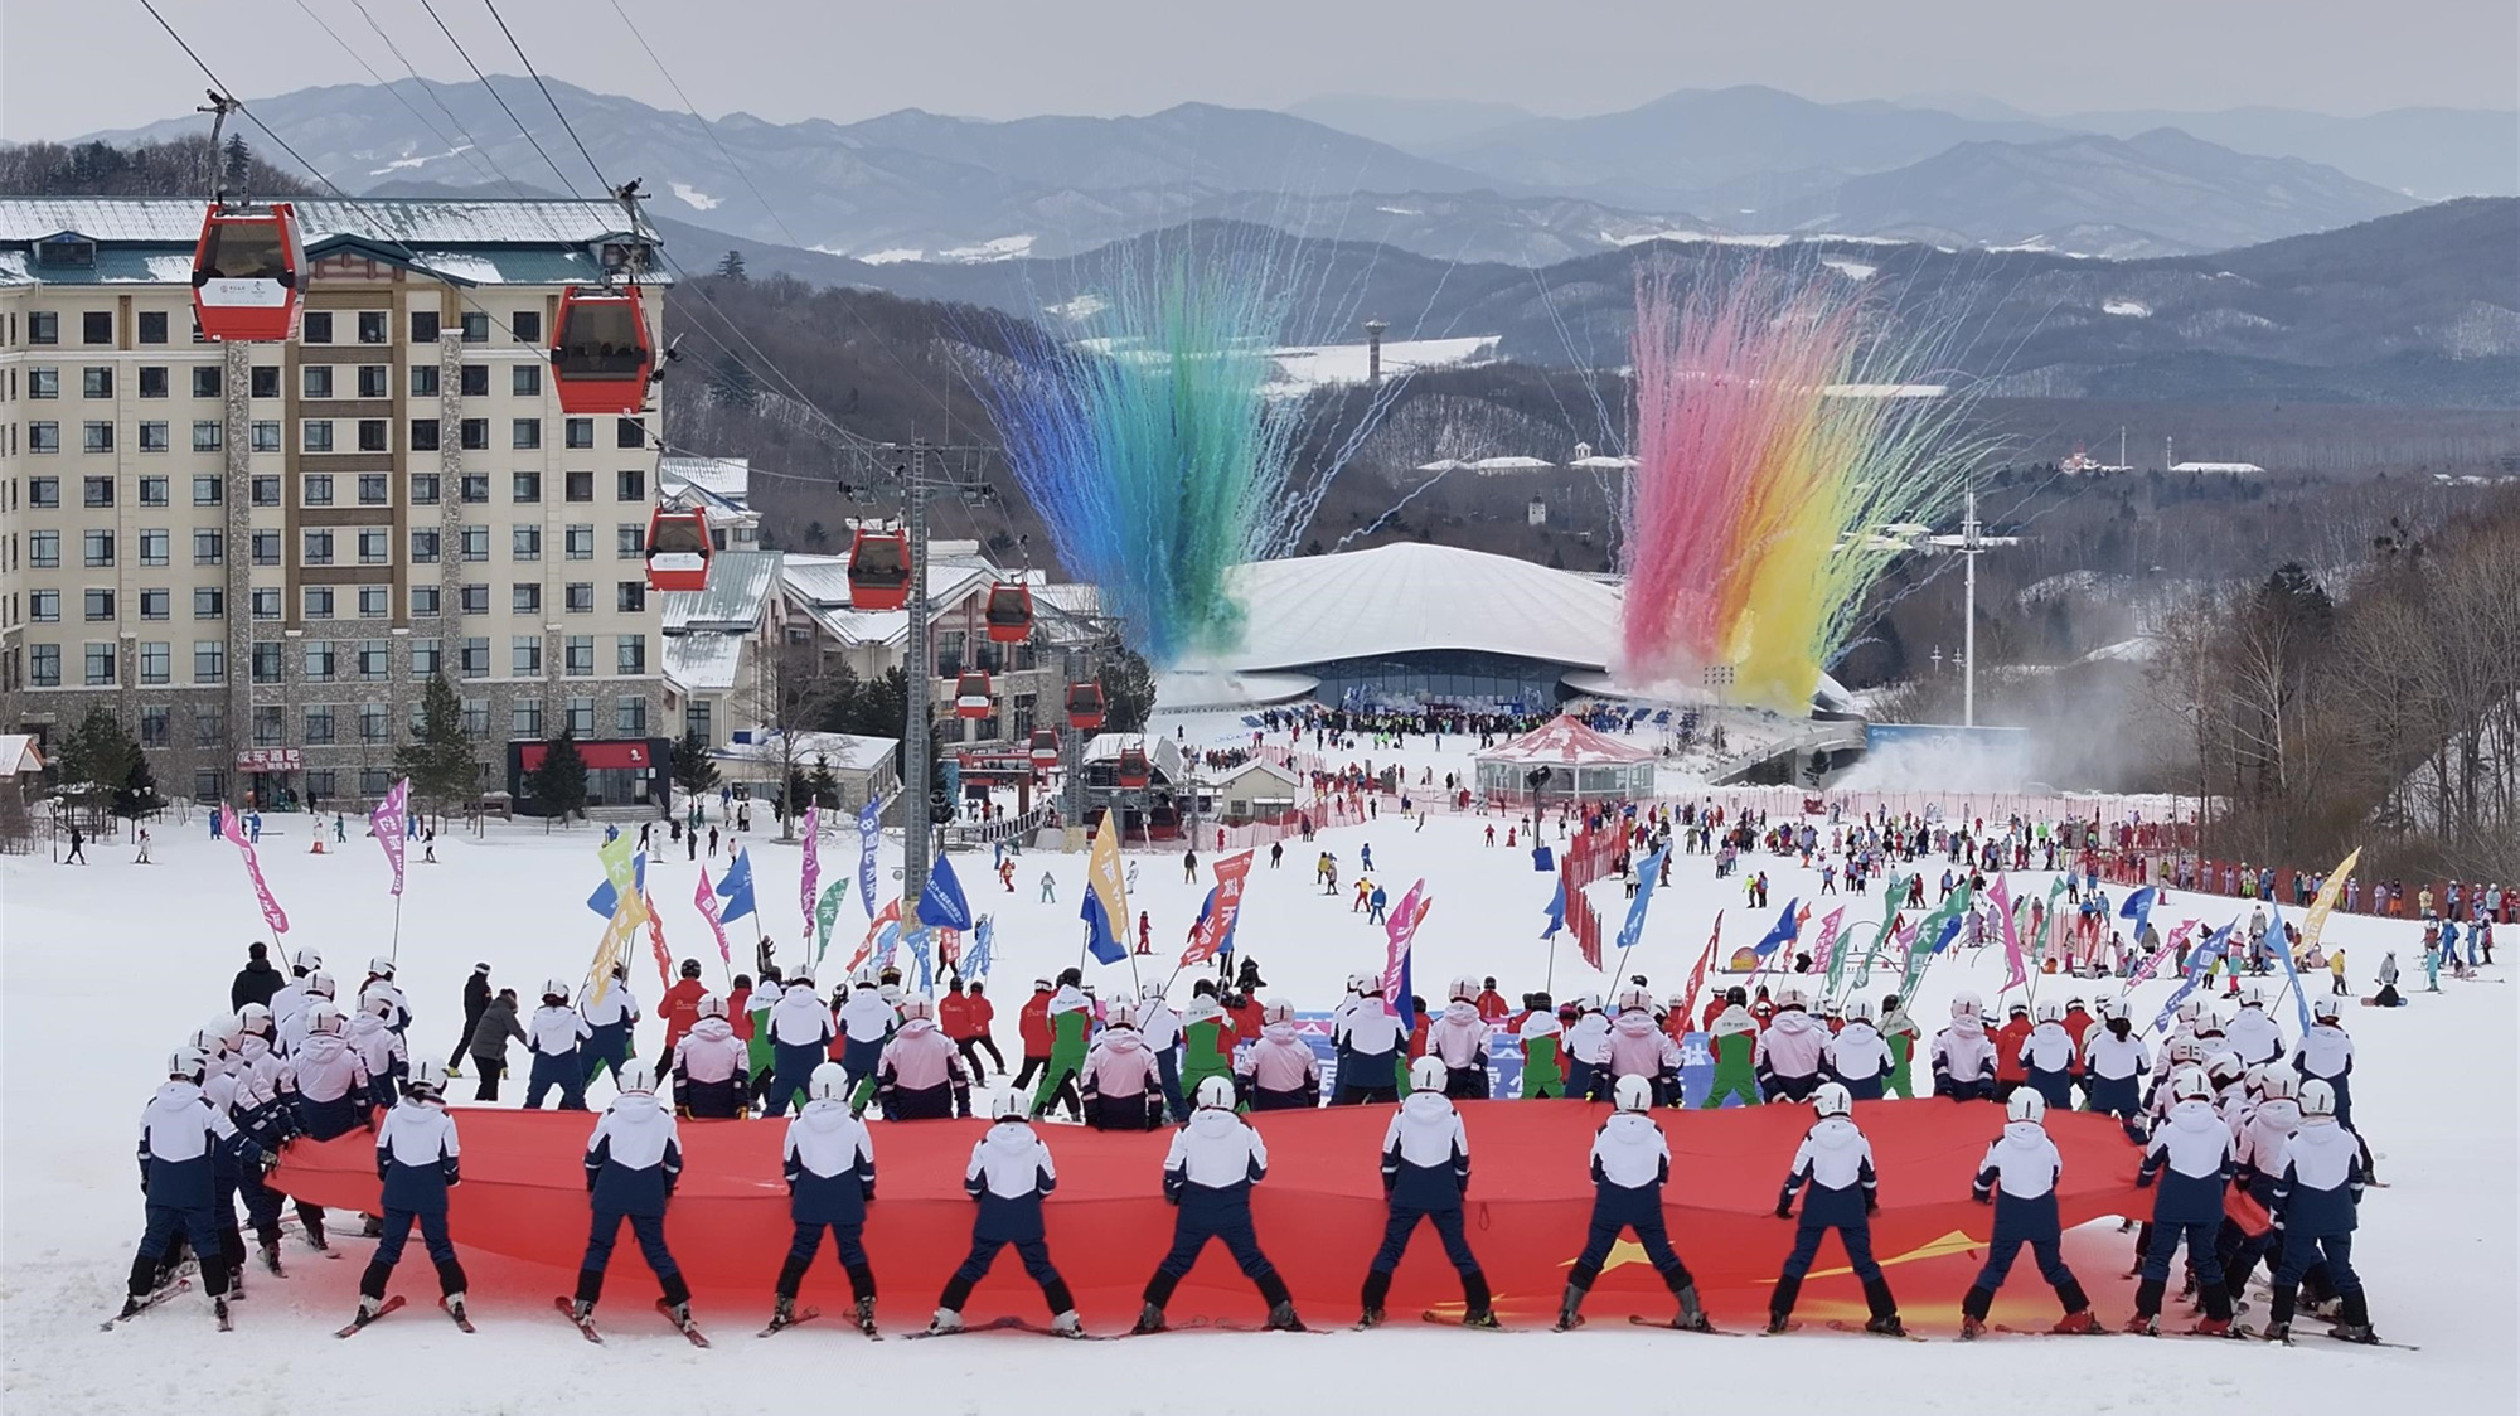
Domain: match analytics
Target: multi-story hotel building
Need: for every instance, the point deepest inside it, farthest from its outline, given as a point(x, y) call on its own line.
point(256, 554)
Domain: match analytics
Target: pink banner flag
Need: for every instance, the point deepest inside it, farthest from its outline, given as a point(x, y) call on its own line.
point(1400, 928)
point(656, 943)
point(1826, 944)
point(389, 822)
point(1231, 872)
point(273, 915)
point(2016, 972)
point(2169, 949)
point(706, 898)
point(813, 865)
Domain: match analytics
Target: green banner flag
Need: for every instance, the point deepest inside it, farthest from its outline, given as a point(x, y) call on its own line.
point(826, 912)
point(1892, 892)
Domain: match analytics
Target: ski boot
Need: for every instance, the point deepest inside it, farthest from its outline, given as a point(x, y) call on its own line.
point(2143, 1325)
point(1692, 1316)
point(1480, 1318)
point(1570, 1310)
point(2077, 1322)
point(131, 1308)
point(1887, 1325)
point(1150, 1319)
point(1971, 1328)
point(946, 1320)
point(2278, 1332)
point(1065, 1324)
point(863, 1314)
point(2211, 1327)
point(1282, 1317)
point(271, 1258)
point(1370, 1318)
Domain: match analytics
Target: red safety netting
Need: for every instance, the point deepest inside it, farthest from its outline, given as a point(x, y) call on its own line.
point(1320, 1212)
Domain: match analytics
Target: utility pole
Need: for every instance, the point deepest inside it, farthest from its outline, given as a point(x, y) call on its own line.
point(1970, 545)
point(915, 847)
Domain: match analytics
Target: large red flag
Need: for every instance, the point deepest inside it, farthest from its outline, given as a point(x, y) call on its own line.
point(1213, 930)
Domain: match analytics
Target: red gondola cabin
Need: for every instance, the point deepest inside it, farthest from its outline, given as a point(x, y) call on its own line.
point(1133, 770)
point(879, 570)
point(601, 355)
point(1045, 748)
point(678, 550)
point(1085, 707)
point(1009, 614)
point(249, 273)
point(971, 695)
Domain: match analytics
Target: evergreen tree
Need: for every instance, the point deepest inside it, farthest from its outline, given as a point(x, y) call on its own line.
point(1128, 687)
point(440, 765)
point(693, 771)
point(138, 795)
point(99, 758)
point(821, 787)
point(731, 265)
point(559, 784)
point(733, 385)
point(239, 164)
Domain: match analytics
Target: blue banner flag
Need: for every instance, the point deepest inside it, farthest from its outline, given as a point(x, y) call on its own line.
point(2139, 907)
point(606, 898)
point(2292, 971)
point(1557, 911)
point(1647, 874)
point(1786, 928)
point(976, 960)
point(942, 903)
point(736, 889)
point(870, 831)
point(2200, 963)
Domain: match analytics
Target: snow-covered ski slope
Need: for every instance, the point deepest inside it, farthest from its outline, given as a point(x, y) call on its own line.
point(104, 968)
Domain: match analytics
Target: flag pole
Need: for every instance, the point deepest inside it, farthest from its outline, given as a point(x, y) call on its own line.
point(395, 953)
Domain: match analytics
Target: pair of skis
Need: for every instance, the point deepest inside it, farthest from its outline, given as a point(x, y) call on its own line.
point(803, 1316)
point(586, 1325)
point(394, 1304)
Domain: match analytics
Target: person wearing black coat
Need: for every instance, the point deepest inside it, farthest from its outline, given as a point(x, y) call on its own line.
point(476, 1000)
point(257, 981)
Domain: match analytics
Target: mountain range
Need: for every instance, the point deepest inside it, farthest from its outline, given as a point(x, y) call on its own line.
point(1468, 181)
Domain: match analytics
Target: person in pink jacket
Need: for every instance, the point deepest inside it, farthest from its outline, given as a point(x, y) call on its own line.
point(920, 1076)
point(1122, 1092)
point(1279, 1072)
point(1640, 1048)
point(1790, 1050)
point(1460, 1038)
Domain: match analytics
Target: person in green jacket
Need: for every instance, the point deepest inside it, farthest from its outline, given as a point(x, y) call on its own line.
point(1071, 1031)
point(1207, 1039)
point(1736, 1038)
point(759, 1057)
point(1901, 1032)
point(1544, 1075)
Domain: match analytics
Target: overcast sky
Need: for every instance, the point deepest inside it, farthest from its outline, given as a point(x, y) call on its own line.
point(70, 68)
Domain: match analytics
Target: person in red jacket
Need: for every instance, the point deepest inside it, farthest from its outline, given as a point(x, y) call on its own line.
point(1491, 1004)
point(680, 1007)
point(953, 1013)
point(1714, 1009)
point(1244, 1010)
point(983, 1013)
point(2076, 1022)
point(2010, 1071)
point(1032, 1028)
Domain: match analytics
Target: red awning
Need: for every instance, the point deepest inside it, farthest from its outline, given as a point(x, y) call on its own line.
point(599, 755)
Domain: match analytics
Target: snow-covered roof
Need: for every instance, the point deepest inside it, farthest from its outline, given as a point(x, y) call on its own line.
point(739, 583)
point(1412, 596)
point(1563, 741)
point(703, 661)
point(1235, 776)
point(19, 753)
point(726, 478)
point(2234, 468)
point(844, 752)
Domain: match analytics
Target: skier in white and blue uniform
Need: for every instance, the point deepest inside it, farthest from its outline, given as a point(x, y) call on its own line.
point(608, 1021)
point(2114, 1064)
point(1425, 1171)
point(419, 1159)
point(1630, 1163)
point(179, 1133)
point(2019, 1178)
point(1369, 1041)
point(800, 1039)
point(865, 1021)
point(633, 1160)
point(1009, 1175)
point(1835, 1161)
point(2189, 1157)
point(2258, 1145)
point(2326, 1054)
point(1208, 1175)
point(556, 1039)
point(332, 1093)
point(2252, 1034)
point(830, 1164)
point(261, 1110)
point(2047, 1055)
point(2316, 1197)
point(217, 1044)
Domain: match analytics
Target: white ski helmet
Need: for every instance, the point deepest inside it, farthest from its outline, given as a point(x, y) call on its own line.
point(1793, 996)
point(2025, 1105)
point(254, 1019)
point(1832, 1100)
point(307, 961)
point(186, 1063)
point(1009, 1107)
point(2189, 1084)
point(2318, 1098)
point(2189, 1009)
point(1632, 1094)
point(1633, 999)
point(1216, 1094)
point(217, 1037)
point(2051, 1012)
point(1590, 1003)
point(917, 1009)
point(555, 988)
point(2186, 1049)
point(712, 1006)
point(2225, 1068)
point(1965, 1004)
point(381, 966)
point(1428, 1074)
point(1859, 1010)
point(637, 1078)
point(1356, 983)
point(1465, 990)
point(2324, 1010)
point(319, 984)
point(1277, 1010)
point(2279, 1080)
point(377, 1003)
point(322, 1018)
point(1152, 993)
point(829, 1082)
point(428, 1076)
point(1120, 1015)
